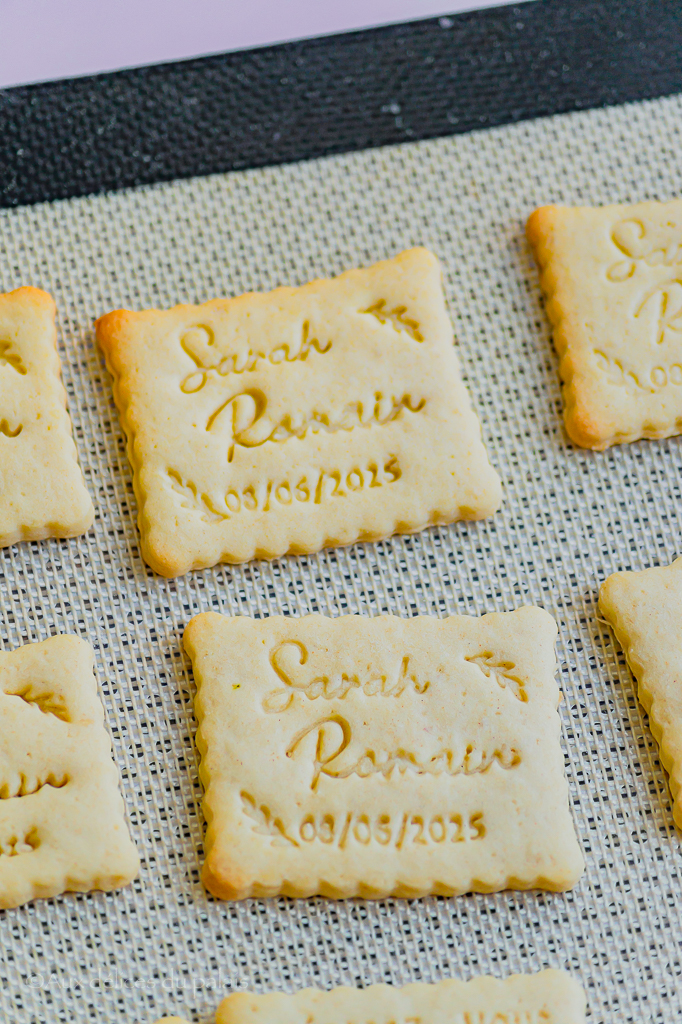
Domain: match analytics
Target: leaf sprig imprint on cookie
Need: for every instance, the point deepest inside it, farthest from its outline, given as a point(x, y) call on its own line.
point(269, 495)
point(655, 245)
point(287, 657)
point(332, 735)
point(23, 785)
point(264, 823)
point(396, 318)
point(15, 845)
point(9, 357)
point(650, 380)
point(46, 702)
point(200, 345)
point(245, 420)
point(195, 501)
point(501, 672)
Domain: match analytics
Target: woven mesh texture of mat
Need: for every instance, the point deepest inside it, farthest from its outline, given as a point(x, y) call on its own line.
point(569, 518)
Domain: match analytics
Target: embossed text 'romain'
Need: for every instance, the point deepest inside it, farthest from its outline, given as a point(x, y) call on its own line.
point(246, 418)
point(331, 736)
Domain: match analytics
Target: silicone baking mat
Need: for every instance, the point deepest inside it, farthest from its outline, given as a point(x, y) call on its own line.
point(569, 518)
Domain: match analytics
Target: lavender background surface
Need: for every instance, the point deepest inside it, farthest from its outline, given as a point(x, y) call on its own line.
point(43, 39)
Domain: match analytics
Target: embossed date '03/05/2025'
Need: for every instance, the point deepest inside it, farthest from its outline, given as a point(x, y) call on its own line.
point(269, 495)
point(399, 831)
point(650, 380)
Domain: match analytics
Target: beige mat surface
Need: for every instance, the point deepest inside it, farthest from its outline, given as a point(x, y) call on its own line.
point(569, 518)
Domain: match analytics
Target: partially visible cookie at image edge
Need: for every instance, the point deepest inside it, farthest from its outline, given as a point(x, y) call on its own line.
point(612, 281)
point(548, 997)
point(42, 487)
point(62, 825)
point(645, 610)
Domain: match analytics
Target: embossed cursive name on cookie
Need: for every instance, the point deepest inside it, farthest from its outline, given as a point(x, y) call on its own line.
point(333, 735)
point(662, 305)
point(245, 420)
point(246, 412)
point(200, 345)
point(11, 358)
point(20, 785)
point(287, 657)
point(19, 843)
point(642, 241)
point(10, 431)
point(42, 487)
point(657, 306)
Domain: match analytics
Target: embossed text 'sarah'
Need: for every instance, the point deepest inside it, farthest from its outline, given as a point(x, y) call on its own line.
point(200, 345)
point(287, 657)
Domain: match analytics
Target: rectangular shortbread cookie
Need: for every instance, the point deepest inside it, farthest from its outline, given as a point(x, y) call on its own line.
point(43, 493)
point(298, 419)
point(612, 278)
point(549, 997)
point(61, 813)
point(374, 756)
point(645, 611)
